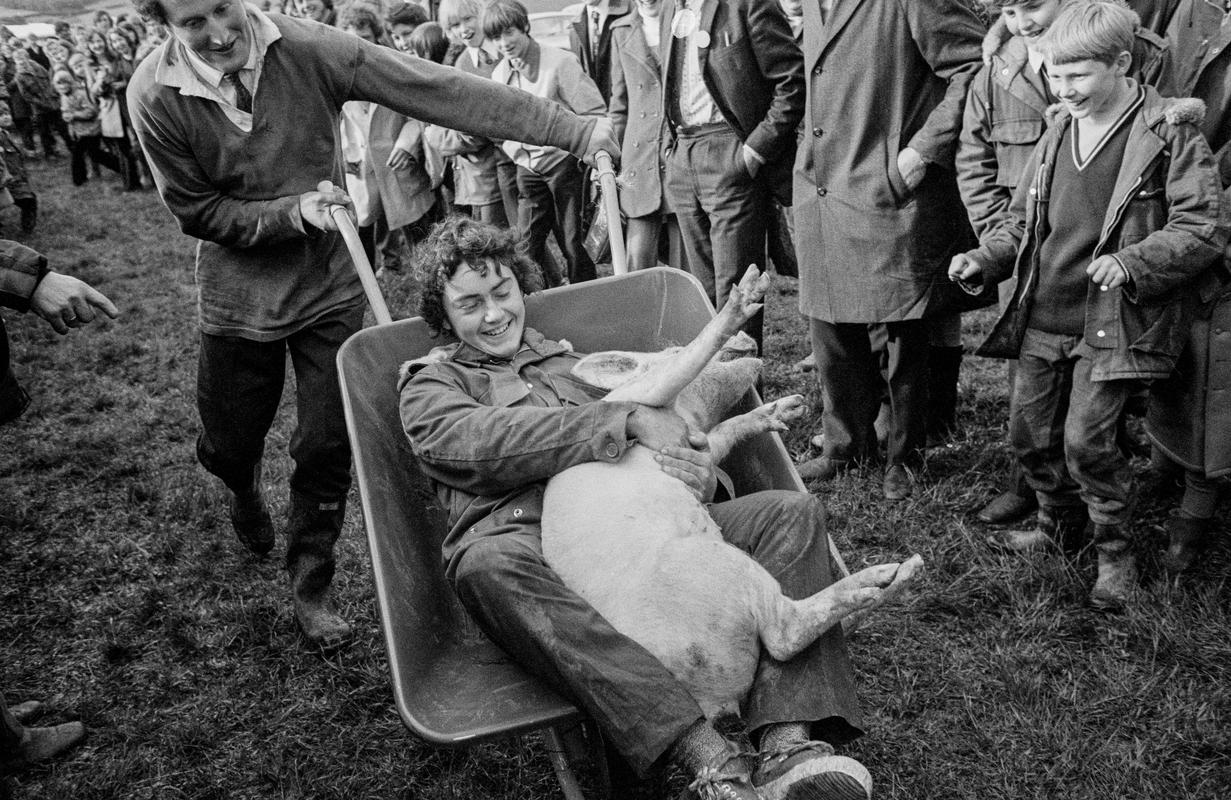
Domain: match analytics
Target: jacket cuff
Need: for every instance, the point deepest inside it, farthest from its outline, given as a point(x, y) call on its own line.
point(610, 440)
point(21, 270)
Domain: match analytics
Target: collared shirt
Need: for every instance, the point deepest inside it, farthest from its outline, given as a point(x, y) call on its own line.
point(193, 76)
point(827, 9)
point(486, 49)
point(697, 106)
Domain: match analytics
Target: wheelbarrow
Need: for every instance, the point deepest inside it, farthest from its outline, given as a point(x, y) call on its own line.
point(452, 686)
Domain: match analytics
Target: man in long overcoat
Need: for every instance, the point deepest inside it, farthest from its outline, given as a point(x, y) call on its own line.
point(877, 211)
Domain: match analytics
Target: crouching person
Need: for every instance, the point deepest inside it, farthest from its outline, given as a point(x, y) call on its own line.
point(1118, 212)
point(502, 414)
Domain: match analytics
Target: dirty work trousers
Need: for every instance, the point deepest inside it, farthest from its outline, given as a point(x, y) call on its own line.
point(506, 585)
point(1063, 426)
point(239, 387)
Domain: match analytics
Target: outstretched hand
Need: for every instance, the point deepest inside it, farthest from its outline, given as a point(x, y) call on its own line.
point(66, 302)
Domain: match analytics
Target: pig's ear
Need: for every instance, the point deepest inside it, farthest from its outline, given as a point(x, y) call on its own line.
point(610, 369)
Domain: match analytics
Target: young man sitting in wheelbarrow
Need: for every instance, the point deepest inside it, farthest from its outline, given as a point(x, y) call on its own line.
point(491, 424)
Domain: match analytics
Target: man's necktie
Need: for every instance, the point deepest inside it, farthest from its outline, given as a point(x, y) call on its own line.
point(596, 21)
point(243, 97)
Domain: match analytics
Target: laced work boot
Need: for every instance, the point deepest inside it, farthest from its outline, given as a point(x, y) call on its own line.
point(811, 771)
point(1055, 527)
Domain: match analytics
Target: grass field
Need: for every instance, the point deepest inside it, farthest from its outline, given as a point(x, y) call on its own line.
point(128, 603)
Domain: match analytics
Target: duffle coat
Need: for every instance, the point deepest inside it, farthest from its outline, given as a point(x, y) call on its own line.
point(1163, 225)
point(881, 76)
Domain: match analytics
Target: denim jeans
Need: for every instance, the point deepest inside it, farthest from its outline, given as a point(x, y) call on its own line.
point(516, 598)
point(1063, 428)
point(239, 388)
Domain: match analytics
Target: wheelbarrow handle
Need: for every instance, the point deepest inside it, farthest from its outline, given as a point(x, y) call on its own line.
point(611, 207)
point(362, 266)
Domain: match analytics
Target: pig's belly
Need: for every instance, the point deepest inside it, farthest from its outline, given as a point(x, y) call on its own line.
point(641, 549)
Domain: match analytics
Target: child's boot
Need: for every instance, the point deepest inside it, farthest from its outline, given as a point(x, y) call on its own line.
point(1117, 568)
point(1187, 541)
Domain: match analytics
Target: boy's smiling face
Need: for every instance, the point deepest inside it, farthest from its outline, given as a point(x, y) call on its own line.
point(1030, 19)
point(1090, 90)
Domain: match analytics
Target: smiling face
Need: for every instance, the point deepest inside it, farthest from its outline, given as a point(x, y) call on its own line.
point(1030, 19)
point(119, 44)
point(485, 308)
point(466, 29)
point(63, 84)
point(216, 30)
point(1091, 89)
point(513, 43)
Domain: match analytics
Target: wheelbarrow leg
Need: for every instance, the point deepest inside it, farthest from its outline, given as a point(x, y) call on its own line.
point(573, 747)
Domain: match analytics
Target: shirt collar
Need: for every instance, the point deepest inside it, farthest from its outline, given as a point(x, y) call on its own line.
point(181, 68)
point(1035, 58)
point(534, 348)
point(532, 59)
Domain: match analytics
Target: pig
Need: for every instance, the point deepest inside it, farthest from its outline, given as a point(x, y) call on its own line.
point(640, 547)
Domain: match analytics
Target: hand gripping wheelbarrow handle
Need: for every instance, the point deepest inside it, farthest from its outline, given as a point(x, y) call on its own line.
point(362, 266)
point(611, 207)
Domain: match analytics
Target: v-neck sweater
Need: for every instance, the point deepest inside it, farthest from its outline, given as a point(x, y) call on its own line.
point(262, 273)
point(1078, 203)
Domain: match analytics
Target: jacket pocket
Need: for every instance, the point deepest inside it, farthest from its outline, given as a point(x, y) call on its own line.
point(1146, 213)
point(1158, 328)
point(1014, 141)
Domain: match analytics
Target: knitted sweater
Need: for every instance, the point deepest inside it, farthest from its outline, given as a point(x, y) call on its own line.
point(261, 272)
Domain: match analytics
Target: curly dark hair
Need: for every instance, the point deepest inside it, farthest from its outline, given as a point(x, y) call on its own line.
point(458, 241)
point(151, 10)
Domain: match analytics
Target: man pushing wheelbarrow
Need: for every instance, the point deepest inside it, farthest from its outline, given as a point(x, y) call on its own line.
point(237, 114)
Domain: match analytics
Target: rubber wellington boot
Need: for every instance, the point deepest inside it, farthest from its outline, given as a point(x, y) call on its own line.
point(1117, 568)
point(312, 529)
point(1187, 540)
point(250, 518)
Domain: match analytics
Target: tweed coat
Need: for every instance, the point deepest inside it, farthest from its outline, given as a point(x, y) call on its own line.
point(882, 75)
point(635, 109)
point(405, 193)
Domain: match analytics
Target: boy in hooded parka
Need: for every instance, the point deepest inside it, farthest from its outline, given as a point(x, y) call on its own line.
point(1118, 212)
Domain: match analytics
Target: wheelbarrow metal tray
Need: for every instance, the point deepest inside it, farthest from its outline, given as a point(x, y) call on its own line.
point(450, 683)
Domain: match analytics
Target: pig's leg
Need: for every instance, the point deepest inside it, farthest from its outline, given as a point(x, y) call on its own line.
point(773, 416)
point(665, 379)
point(792, 625)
